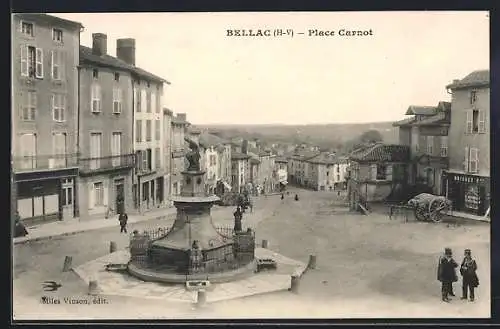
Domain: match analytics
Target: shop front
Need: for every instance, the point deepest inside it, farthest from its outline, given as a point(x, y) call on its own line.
point(469, 193)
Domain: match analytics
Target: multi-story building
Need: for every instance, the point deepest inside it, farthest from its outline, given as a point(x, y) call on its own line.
point(179, 149)
point(216, 155)
point(105, 138)
point(376, 173)
point(167, 150)
point(327, 172)
point(45, 54)
point(468, 178)
point(281, 173)
point(266, 171)
point(150, 174)
point(298, 167)
point(240, 168)
point(426, 133)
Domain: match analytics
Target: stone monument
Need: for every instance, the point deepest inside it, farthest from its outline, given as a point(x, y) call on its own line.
point(193, 249)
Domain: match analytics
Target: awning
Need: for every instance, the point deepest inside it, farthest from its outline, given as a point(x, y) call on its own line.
point(284, 182)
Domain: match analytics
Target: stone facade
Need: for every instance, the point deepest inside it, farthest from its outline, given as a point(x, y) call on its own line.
point(45, 53)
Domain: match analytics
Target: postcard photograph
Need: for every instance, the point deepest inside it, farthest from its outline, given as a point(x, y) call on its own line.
point(250, 165)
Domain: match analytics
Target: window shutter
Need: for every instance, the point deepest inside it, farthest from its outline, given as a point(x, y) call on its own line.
point(39, 63)
point(466, 159)
point(482, 121)
point(63, 108)
point(51, 64)
point(24, 60)
point(61, 62)
point(91, 196)
point(105, 187)
point(388, 172)
point(476, 159)
point(468, 122)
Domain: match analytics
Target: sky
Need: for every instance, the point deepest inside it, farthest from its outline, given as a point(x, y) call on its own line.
point(303, 79)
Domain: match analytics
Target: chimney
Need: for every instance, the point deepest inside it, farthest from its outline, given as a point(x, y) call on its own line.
point(99, 44)
point(181, 116)
point(244, 147)
point(125, 50)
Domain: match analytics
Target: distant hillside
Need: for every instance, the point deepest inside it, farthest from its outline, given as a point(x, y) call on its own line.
point(320, 134)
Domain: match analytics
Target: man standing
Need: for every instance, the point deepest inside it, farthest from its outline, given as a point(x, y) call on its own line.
point(469, 276)
point(123, 218)
point(446, 274)
point(237, 219)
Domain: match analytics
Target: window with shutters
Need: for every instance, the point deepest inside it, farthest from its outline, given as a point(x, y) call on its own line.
point(31, 62)
point(474, 160)
point(157, 130)
point(28, 150)
point(28, 29)
point(96, 98)
point(138, 100)
point(143, 97)
point(430, 145)
point(149, 131)
point(138, 131)
point(28, 105)
point(381, 172)
point(466, 159)
point(444, 146)
point(95, 150)
point(117, 100)
point(58, 107)
point(475, 121)
point(57, 35)
point(98, 194)
point(155, 109)
point(157, 158)
point(116, 145)
point(148, 102)
point(58, 150)
point(481, 122)
point(149, 158)
point(57, 65)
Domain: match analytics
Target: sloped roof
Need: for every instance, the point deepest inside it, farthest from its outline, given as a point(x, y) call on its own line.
point(239, 156)
point(208, 139)
point(254, 161)
point(421, 110)
point(438, 119)
point(49, 19)
point(281, 159)
point(404, 122)
point(477, 78)
point(304, 154)
point(444, 106)
point(86, 56)
point(381, 152)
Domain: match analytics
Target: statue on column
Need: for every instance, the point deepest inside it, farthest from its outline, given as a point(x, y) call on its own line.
point(238, 215)
point(193, 156)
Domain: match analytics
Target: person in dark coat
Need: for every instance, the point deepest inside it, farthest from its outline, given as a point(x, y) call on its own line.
point(123, 219)
point(296, 197)
point(469, 276)
point(447, 274)
point(282, 196)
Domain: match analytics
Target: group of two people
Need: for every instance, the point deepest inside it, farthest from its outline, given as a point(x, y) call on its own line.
point(447, 275)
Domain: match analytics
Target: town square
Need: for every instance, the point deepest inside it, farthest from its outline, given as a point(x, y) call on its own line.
point(145, 187)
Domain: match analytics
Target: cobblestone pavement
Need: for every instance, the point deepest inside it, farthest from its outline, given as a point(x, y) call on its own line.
point(367, 266)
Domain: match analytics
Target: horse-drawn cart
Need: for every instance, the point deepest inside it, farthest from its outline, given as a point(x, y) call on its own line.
point(429, 207)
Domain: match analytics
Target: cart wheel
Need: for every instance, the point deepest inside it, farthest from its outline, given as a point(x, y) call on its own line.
point(420, 213)
point(436, 209)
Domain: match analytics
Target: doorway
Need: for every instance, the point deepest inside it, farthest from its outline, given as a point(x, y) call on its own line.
point(120, 196)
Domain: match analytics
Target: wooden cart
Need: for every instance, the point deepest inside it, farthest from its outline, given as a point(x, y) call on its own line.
point(429, 207)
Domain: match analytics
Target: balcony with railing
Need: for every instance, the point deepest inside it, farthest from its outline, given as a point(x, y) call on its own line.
point(44, 162)
point(102, 164)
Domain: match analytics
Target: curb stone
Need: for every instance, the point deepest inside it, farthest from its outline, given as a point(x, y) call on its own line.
point(50, 237)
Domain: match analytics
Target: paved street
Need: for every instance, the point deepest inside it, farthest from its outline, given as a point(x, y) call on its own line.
point(368, 266)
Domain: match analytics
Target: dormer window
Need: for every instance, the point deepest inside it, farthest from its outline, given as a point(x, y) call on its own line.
point(95, 73)
point(27, 29)
point(57, 35)
point(117, 77)
point(473, 97)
